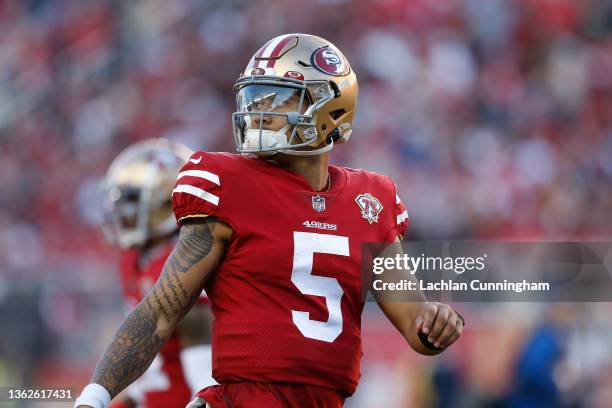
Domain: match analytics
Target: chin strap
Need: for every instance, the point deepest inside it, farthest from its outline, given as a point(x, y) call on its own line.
point(309, 152)
point(265, 139)
point(271, 138)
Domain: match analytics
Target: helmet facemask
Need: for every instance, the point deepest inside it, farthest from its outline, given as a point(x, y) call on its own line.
point(266, 98)
point(135, 214)
point(125, 215)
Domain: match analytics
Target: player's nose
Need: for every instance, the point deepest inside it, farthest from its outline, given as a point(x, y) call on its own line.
point(262, 122)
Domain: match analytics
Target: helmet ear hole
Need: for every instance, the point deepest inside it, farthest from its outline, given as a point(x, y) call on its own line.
point(333, 136)
point(337, 113)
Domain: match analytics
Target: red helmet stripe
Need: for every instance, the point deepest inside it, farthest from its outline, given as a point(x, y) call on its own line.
point(260, 53)
point(279, 47)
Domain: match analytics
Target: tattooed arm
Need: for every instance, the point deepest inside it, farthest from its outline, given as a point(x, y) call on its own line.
point(201, 246)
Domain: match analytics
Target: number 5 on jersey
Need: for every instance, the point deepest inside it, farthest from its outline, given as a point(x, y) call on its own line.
point(305, 245)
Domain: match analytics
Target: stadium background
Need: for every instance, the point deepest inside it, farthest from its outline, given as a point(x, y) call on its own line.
point(494, 118)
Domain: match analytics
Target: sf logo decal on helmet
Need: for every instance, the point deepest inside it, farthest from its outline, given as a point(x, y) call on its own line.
point(329, 61)
point(370, 207)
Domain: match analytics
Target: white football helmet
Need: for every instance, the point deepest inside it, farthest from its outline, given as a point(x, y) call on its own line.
point(311, 72)
point(138, 192)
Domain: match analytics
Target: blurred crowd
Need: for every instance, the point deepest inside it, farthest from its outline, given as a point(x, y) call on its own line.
point(493, 117)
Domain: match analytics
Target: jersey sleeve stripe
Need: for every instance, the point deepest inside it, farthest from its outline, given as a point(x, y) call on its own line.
point(397, 199)
point(207, 175)
point(198, 192)
point(402, 217)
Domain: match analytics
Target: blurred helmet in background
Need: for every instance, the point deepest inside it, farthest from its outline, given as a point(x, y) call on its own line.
point(305, 68)
point(138, 192)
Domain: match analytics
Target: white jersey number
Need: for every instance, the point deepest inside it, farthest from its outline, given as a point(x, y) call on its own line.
point(305, 245)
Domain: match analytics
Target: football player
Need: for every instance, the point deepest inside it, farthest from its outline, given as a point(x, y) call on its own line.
point(274, 234)
point(139, 221)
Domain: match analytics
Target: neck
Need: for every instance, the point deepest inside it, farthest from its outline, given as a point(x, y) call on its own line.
point(312, 168)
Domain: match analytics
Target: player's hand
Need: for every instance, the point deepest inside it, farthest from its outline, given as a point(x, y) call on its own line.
point(440, 323)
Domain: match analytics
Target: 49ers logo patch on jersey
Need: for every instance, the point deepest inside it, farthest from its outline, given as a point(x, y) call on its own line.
point(330, 62)
point(370, 206)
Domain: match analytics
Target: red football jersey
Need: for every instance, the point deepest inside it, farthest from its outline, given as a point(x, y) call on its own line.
point(287, 295)
point(163, 384)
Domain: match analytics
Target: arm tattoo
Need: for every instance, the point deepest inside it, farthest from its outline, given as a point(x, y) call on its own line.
point(195, 243)
point(131, 352)
point(138, 339)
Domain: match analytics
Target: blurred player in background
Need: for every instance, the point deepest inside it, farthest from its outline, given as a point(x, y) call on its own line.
point(275, 236)
point(137, 202)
